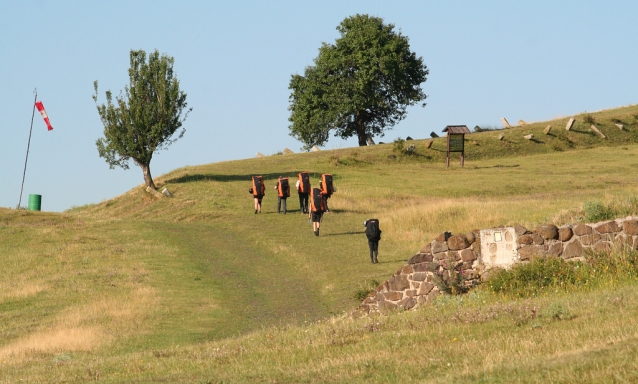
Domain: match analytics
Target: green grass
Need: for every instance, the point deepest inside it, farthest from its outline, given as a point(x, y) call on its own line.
point(197, 288)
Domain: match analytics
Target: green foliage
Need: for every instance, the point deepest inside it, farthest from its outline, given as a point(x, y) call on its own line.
point(361, 85)
point(547, 275)
point(449, 280)
point(597, 211)
point(144, 119)
point(557, 311)
point(365, 290)
point(398, 145)
point(589, 118)
point(535, 277)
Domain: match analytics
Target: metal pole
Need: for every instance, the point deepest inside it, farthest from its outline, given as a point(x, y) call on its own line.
point(28, 145)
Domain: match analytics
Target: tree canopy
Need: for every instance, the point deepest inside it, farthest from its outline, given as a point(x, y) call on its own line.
point(145, 117)
point(361, 85)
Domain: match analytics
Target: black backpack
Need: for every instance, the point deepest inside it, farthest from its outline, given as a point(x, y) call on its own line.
point(373, 232)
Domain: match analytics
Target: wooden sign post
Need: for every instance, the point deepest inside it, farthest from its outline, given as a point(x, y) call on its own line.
point(456, 141)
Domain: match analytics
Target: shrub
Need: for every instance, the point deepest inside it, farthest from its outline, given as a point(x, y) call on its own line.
point(589, 118)
point(399, 145)
point(365, 290)
point(535, 277)
point(557, 311)
point(596, 211)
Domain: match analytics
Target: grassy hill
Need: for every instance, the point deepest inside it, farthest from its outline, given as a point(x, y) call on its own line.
point(198, 288)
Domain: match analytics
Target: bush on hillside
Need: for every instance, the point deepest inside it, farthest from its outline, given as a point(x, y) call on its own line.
point(550, 274)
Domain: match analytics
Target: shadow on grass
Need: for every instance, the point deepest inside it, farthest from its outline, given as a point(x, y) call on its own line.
point(346, 233)
point(246, 178)
point(499, 166)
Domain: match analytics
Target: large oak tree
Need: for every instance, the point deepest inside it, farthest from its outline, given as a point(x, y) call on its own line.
point(143, 119)
point(360, 85)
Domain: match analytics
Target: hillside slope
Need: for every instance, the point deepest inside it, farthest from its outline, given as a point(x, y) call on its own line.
point(135, 273)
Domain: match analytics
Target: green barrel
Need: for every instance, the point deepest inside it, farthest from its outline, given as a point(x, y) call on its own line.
point(35, 202)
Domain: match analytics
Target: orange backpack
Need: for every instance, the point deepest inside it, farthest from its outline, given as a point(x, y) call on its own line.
point(259, 189)
point(326, 184)
point(316, 201)
point(283, 189)
point(304, 182)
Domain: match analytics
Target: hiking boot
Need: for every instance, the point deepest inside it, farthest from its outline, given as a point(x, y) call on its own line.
point(316, 233)
point(376, 261)
point(255, 211)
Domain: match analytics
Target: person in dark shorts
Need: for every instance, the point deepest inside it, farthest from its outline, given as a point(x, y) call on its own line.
point(316, 209)
point(373, 233)
point(258, 190)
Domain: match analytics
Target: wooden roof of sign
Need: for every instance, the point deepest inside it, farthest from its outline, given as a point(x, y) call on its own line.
point(451, 129)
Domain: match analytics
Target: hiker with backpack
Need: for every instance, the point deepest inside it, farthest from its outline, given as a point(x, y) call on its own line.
point(258, 190)
point(316, 210)
point(303, 189)
point(327, 189)
point(283, 192)
point(373, 233)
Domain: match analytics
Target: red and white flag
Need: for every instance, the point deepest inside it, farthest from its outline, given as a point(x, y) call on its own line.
point(44, 114)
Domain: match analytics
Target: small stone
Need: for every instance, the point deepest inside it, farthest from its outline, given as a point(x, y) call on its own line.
point(529, 137)
point(420, 258)
point(399, 283)
point(394, 296)
point(425, 288)
point(529, 251)
point(506, 124)
point(369, 140)
point(438, 247)
point(630, 227)
point(525, 240)
point(419, 276)
point(547, 130)
point(468, 255)
point(538, 239)
point(548, 231)
point(433, 135)
point(608, 227)
point(471, 237)
point(428, 143)
point(407, 303)
point(520, 230)
point(573, 249)
point(521, 122)
point(410, 293)
point(408, 138)
point(620, 126)
point(501, 136)
point(407, 269)
point(555, 249)
point(590, 239)
point(259, 154)
point(315, 148)
point(426, 267)
point(287, 151)
point(582, 229)
point(565, 234)
point(569, 124)
point(457, 242)
point(443, 237)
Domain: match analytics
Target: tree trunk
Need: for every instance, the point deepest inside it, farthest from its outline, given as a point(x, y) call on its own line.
point(148, 180)
point(361, 130)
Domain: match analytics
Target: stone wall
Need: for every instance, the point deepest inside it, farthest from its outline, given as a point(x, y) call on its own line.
point(473, 254)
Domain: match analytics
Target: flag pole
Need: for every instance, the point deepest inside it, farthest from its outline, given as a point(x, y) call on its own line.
point(28, 145)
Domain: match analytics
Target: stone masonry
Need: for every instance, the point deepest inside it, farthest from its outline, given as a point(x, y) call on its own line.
point(418, 282)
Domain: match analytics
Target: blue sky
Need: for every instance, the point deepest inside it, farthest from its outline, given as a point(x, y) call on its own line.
point(487, 59)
